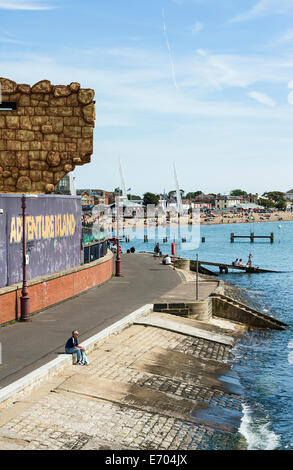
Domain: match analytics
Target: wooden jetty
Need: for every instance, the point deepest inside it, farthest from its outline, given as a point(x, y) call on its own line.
point(252, 237)
point(224, 268)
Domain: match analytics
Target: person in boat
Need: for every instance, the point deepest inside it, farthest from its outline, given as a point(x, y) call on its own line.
point(235, 263)
point(249, 262)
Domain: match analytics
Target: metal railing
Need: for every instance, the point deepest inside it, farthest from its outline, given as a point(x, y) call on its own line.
point(93, 251)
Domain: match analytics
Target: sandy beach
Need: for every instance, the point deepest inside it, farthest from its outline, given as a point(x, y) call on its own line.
point(227, 218)
point(232, 218)
point(216, 219)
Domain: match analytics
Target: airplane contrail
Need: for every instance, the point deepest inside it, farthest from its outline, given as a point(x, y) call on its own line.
point(170, 52)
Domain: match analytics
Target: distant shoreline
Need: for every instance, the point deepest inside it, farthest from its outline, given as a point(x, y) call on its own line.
point(231, 218)
point(228, 218)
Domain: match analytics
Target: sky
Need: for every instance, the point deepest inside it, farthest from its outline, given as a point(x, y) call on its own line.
point(206, 84)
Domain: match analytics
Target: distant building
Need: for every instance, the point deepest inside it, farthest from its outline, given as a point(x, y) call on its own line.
point(227, 202)
point(87, 201)
point(202, 201)
point(99, 196)
point(66, 186)
point(289, 195)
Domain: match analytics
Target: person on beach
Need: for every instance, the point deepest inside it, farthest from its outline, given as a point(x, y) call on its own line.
point(72, 347)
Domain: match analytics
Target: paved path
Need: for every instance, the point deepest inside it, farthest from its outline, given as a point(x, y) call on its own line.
point(27, 346)
point(186, 292)
point(146, 388)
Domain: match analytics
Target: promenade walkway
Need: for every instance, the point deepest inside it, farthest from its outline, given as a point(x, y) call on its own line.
point(27, 346)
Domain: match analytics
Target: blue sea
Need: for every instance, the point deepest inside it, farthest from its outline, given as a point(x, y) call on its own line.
point(263, 359)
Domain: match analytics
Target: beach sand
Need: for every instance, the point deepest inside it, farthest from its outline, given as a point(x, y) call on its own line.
point(228, 218)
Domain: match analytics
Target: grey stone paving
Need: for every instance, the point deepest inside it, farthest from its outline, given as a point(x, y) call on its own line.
point(64, 420)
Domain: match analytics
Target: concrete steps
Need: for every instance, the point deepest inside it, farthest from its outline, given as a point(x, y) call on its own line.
point(200, 310)
point(220, 305)
point(226, 307)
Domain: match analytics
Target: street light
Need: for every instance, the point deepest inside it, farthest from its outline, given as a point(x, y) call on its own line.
point(118, 257)
point(196, 281)
point(24, 299)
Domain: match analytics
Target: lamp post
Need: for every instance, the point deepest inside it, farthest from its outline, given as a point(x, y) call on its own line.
point(24, 299)
point(118, 257)
point(196, 283)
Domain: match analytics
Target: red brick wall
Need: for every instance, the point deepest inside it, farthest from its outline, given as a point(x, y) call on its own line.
point(50, 292)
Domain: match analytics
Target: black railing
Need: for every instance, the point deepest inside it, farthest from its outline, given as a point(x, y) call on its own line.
point(93, 251)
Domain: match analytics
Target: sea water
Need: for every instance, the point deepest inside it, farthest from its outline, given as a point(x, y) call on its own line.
point(264, 358)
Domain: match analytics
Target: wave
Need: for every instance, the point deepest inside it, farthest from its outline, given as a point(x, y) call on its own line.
point(257, 434)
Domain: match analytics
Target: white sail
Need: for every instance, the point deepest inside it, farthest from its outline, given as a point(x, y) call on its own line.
point(178, 194)
point(123, 187)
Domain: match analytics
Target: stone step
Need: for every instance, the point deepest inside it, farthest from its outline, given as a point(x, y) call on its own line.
point(181, 312)
point(268, 321)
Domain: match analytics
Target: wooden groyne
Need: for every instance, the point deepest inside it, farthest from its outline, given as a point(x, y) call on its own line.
point(252, 237)
point(224, 268)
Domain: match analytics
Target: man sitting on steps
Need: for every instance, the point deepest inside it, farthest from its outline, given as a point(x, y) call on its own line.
point(72, 347)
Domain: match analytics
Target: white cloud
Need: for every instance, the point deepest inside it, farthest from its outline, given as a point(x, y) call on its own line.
point(262, 98)
point(10, 41)
point(284, 38)
point(201, 52)
point(145, 92)
point(23, 5)
point(197, 27)
point(264, 8)
point(220, 71)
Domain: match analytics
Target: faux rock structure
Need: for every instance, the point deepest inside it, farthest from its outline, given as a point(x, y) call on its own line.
point(49, 133)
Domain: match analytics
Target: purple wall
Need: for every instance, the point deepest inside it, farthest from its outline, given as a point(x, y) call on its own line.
point(53, 233)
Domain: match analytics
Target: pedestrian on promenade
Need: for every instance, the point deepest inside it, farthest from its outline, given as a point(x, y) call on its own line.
point(72, 347)
point(157, 249)
point(167, 259)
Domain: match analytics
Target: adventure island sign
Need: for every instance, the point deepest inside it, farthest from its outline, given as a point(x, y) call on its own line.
point(53, 235)
point(42, 227)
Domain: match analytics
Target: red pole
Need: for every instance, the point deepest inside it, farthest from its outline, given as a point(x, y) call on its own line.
point(118, 257)
point(24, 299)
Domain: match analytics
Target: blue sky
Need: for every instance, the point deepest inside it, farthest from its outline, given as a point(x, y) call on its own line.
point(205, 83)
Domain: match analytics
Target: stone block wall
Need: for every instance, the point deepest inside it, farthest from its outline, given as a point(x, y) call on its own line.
point(46, 136)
